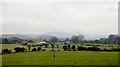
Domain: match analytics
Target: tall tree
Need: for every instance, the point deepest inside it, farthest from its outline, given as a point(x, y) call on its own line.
point(75, 39)
point(4, 41)
point(81, 38)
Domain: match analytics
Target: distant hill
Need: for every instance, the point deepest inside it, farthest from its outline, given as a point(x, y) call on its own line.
point(57, 34)
point(35, 36)
point(14, 35)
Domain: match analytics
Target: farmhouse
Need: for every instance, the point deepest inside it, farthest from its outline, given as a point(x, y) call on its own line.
point(42, 43)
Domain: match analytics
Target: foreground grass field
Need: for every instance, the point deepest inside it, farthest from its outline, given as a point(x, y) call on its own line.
point(62, 58)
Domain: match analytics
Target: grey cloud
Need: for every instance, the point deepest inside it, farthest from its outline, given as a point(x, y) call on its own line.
point(32, 17)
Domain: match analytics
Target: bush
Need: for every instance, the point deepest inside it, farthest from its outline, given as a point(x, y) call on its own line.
point(23, 49)
point(81, 48)
point(69, 47)
point(39, 48)
point(52, 49)
point(65, 48)
point(24, 43)
point(34, 49)
point(6, 51)
point(73, 47)
point(18, 49)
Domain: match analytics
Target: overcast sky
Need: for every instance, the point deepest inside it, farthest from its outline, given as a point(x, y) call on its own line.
point(59, 16)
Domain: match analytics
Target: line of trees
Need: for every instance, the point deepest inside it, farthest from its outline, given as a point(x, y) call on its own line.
point(77, 39)
point(112, 39)
point(93, 48)
point(12, 40)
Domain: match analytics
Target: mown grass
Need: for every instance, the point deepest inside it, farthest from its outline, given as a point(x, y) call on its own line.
point(0, 60)
point(62, 58)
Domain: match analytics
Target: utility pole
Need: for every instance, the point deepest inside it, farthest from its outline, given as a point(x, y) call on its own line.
point(53, 46)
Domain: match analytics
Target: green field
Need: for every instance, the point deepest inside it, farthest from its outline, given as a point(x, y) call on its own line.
point(62, 58)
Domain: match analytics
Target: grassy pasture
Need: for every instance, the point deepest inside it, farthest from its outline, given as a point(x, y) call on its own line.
point(62, 58)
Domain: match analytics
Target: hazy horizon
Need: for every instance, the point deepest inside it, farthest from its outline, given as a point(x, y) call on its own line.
point(37, 17)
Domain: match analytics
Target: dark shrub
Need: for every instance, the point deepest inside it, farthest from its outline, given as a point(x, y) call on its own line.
point(89, 48)
point(34, 49)
point(18, 49)
point(52, 49)
point(81, 48)
point(39, 48)
point(6, 51)
point(24, 43)
point(84, 48)
point(65, 48)
point(69, 47)
point(104, 49)
point(23, 49)
point(73, 47)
